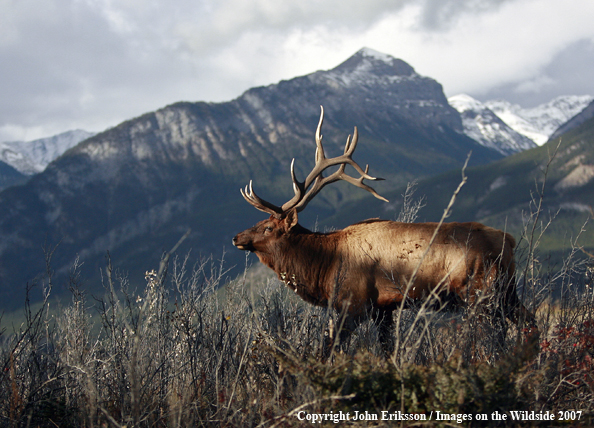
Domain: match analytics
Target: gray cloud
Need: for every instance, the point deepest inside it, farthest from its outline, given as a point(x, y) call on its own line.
point(444, 14)
point(93, 63)
point(569, 72)
point(65, 62)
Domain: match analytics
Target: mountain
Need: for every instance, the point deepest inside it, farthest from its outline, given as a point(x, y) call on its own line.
point(540, 122)
point(585, 115)
point(483, 125)
point(133, 190)
point(10, 176)
point(32, 157)
point(510, 128)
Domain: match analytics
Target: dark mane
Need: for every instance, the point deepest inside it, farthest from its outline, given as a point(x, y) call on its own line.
point(369, 221)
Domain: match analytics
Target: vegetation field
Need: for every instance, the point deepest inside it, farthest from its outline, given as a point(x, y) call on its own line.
point(188, 350)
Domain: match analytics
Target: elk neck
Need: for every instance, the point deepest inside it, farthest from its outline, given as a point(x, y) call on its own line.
point(304, 261)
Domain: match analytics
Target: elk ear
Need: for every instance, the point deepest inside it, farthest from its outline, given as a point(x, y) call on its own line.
point(290, 220)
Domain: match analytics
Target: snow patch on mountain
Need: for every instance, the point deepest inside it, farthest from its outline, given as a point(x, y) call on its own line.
point(484, 126)
point(540, 122)
point(585, 115)
point(372, 53)
point(370, 67)
point(32, 157)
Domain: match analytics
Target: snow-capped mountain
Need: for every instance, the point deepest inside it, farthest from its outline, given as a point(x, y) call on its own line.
point(510, 128)
point(389, 83)
point(483, 125)
point(539, 123)
point(585, 115)
point(31, 157)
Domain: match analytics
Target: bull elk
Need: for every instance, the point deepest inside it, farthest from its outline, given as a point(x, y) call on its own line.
point(368, 268)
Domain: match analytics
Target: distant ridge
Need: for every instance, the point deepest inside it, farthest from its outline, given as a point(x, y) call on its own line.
point(484, 126)
point(32, 157)
point(510, 128)
point(539, 123)
point(582, 117)
point(10, 176)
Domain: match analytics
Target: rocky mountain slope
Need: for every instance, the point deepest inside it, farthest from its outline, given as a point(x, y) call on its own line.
point(136, 188)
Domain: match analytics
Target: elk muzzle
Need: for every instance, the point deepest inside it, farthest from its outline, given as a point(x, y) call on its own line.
point(243, 242)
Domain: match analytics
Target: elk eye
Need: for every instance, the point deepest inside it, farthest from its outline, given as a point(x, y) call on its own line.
point(268, 229)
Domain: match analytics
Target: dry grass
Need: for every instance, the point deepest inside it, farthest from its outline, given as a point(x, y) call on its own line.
point(179, 353)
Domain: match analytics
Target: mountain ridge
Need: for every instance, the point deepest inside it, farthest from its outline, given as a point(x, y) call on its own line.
point(540, 122)
point(509, 128)
point(586, 114)
point(32, 157)
point(484, 126)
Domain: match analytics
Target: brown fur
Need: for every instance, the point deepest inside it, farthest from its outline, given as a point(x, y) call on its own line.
point(366, 267)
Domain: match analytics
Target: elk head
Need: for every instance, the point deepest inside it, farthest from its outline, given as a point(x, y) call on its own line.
point(283, 219)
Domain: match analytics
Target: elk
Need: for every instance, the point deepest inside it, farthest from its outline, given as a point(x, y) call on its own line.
point(369, 268)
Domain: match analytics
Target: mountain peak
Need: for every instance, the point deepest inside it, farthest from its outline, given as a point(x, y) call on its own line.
point(372, 53)
point(376, 63)
point(586, 114)
point(463, 102)
point(367, 81)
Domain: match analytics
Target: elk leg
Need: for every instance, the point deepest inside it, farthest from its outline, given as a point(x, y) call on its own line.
point(518, 314)
point(338, 334)
point(385, 324)
point(345, 332)
point(515, 310)
point(499, 326)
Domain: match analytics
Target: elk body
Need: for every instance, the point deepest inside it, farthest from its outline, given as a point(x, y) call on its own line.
point(369, 268)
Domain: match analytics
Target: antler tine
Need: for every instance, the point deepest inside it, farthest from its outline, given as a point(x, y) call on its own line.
point(315, 180)
point(320, 182)
point(260, 204)
point(320, 155)
point(359, 183)
point(297, 185)
point(351, 145)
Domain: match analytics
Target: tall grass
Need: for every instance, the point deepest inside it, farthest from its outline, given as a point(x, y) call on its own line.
point(183, 353)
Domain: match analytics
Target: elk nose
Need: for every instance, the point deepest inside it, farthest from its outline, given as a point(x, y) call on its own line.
point(238, 244)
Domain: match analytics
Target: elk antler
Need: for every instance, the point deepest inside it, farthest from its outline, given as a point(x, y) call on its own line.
point(315, 178)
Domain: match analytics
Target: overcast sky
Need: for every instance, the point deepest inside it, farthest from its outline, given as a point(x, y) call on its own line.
point(91, 64)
